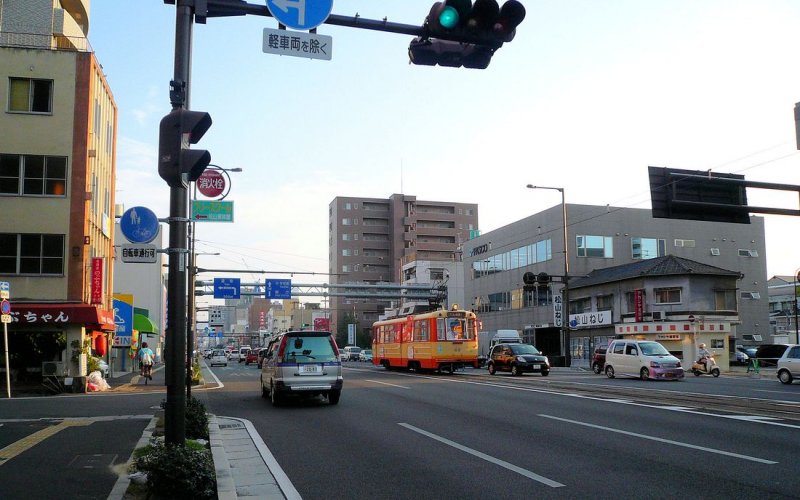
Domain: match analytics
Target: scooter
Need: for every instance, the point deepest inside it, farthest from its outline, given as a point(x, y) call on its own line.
point(699, 367)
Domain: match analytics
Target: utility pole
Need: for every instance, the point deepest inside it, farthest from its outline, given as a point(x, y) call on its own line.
point(175, 408)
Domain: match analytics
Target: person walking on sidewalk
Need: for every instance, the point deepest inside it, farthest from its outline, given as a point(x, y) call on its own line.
point(146, 358)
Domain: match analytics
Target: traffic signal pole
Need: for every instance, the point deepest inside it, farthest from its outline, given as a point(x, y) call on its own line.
point(175, 408)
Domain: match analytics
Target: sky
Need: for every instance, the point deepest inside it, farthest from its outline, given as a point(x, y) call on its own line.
point(586, 97)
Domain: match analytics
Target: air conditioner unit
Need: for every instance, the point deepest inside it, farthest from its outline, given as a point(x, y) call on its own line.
point(658, 315)
point(53, 369)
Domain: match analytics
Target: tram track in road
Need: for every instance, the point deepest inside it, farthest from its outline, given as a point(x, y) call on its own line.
point(758, 407)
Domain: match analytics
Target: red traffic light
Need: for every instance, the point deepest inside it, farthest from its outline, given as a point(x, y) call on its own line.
point(511, 15)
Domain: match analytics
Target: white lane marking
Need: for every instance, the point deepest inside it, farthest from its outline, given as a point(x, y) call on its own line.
point(661, 440)
point(387, 383)
point(755, 420)
point(483, 456)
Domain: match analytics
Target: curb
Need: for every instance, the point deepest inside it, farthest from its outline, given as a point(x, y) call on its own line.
point(225, 486)
point(121, 486)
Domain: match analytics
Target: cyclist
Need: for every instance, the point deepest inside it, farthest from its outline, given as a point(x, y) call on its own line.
point(146, 357)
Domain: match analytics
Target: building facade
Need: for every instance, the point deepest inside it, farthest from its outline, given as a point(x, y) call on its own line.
point(675, 301)
point(601, 237)
point(783, 308)
point(372, 239)
point(57, 171)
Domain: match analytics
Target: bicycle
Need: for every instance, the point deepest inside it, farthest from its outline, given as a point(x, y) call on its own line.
point(146, 372)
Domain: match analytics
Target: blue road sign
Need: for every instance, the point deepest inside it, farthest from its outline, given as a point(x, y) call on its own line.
point(300, 14)
point(5, 290)
point(278, 289)
point(123, 319)
point(227, 288)
point(139, 225)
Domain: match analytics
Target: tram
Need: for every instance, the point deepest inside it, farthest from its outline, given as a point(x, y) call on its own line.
point(440, 340)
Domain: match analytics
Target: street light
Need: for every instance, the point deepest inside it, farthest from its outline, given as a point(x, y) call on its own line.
point(565, 307)
point(190, 305)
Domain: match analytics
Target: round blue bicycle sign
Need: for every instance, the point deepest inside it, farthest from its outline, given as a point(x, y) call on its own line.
point(139, 225)
point(300, 14)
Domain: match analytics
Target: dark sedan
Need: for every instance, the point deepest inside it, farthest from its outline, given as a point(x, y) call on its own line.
point(517, 359)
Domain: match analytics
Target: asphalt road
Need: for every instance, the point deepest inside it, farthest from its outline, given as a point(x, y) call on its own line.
point(570, 435)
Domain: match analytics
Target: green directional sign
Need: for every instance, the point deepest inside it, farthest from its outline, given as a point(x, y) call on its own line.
point(212, 211)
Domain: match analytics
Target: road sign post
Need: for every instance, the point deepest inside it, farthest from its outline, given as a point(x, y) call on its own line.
point(5, 309)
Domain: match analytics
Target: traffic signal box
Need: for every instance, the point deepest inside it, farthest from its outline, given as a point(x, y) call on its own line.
point(463, 33)
point(177, 164)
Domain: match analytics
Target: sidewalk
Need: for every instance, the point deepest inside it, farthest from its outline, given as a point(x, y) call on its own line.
point(245, 468)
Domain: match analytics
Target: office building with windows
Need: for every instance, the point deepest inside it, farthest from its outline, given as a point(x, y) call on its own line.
point(57, 174)
point(373, 239)
point(601, 237)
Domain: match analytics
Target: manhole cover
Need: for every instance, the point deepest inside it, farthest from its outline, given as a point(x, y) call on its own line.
point(92, 461)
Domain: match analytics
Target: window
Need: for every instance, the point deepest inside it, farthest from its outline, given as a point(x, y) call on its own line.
point(668, 295)
point(346, 252)
point(604, 302)
point(437, 274)
point(684, 243)
point(748, 253)
point(32, 254)
point(751, 295)
point(580, 305)
point(595, 246)
point(648, 248)
point(346, 222)
point(725, 300)
point(27, 95)
point(33, 175)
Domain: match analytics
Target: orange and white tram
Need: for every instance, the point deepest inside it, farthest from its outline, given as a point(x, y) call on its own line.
point(436, 340)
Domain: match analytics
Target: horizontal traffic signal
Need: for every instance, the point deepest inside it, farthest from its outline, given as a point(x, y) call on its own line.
point(177, 164)
point(484, 22)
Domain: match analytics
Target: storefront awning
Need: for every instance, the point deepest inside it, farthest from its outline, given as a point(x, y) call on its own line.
point(144, 324)
point(93, 317)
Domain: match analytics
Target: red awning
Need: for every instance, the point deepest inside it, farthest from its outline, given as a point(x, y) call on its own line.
point(93, 317)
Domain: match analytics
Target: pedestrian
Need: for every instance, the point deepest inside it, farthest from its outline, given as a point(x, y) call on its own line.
point(146, 358)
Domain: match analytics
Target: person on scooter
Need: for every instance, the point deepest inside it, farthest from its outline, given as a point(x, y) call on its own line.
point(704, 356)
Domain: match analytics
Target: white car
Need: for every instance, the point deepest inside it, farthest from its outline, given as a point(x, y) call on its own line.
point(218, 357)
point(789, 364)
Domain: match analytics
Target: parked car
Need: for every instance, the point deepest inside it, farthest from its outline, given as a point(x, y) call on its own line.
point(768, 354)
point(301, 363)
point(251, 357)
point(365, 355)
point(218, 357)
point(641, 358)
point(598, 359)
point(343, 355)
point(517, 359)
point(789, 364)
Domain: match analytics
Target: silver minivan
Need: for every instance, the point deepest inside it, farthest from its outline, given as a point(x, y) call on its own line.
point(301, 363)
point(644, 359)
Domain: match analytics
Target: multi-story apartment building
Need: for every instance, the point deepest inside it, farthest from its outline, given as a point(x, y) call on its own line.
point(57, 174)
point(601, 237)
point(783, 308)
point(372, 238)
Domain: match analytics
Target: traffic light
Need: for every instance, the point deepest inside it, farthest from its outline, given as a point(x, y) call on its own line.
point(430, 52)
point(529, 281)
point(463, 33)
point(177, 164)
point(483, 22)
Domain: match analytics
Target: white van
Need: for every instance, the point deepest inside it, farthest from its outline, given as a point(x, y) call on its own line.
point(645, 359)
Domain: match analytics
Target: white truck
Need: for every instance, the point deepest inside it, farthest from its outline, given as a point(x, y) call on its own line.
point(489, 338)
